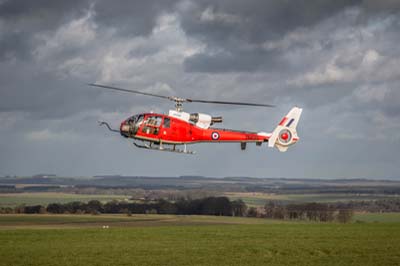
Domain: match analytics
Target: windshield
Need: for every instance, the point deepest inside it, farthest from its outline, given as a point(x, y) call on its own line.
point(138, 120)
point(134, 122)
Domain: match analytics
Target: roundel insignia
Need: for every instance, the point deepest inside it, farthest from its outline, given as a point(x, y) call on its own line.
point(285, 136)
point(215, 135)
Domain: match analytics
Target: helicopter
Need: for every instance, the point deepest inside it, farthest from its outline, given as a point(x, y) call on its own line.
point(167, 132)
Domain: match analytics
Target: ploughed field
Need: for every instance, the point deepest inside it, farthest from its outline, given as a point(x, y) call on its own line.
point(194, 240)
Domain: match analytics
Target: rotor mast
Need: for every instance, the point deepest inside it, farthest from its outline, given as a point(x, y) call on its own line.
point(178, 103)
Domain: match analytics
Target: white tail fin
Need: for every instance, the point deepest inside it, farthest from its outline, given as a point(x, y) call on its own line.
point(285, 134)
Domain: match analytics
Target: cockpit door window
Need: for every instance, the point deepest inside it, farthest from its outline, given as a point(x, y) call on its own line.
point(152, 125)
point(167, 122)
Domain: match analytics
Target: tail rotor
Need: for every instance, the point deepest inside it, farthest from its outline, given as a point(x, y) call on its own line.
point(285, 134)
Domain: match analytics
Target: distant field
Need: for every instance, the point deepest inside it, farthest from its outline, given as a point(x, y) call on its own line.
point(192, 240)
point(44, 198)
point(251, 199)
point(30, 221)
point(259, 199)
point(22, 221)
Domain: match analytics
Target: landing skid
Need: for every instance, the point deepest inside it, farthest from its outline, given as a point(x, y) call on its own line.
point(161, 147)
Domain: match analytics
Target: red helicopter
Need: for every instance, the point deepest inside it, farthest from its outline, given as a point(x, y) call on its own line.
point(164, 132)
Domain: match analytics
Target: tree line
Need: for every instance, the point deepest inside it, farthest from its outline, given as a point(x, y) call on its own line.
point(320, 212)
point(220, 206)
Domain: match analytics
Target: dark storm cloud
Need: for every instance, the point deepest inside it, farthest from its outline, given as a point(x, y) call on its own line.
point(336, 59)
point(255, 21)
point(232, 26)
point(22, 20)
point(381, 6)
point(130, 18)
point(15, 44)
point(37, 39)
point(238, 61)
point(240, 28)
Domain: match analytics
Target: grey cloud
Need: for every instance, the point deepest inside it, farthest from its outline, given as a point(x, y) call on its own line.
point(21, 21)
point(234, 26)
point(241, 28)
point(130, 18)
point(45, 65)
point(45, 12)
point(234, 61)
point(14, 45)
point(256, 21)
point(381, 6)
point(228, 50)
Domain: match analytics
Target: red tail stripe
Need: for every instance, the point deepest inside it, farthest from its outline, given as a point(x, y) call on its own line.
point(283, 121)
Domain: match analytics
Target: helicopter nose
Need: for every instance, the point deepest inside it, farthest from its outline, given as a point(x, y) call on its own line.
point(124, 129)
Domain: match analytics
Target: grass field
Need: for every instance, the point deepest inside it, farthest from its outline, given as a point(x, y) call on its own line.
point(44, 198)
point(377, 217)
point(194, 240)
point(28, 221)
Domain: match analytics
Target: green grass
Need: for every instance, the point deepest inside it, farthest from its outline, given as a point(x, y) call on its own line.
point(23, 221)
point(172, 244)
point(390, 217)
point(44, 198)
point(31, 221)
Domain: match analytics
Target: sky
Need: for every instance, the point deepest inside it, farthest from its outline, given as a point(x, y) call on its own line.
point(338, 60)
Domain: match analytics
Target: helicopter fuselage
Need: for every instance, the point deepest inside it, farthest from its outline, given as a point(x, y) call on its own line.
point(179, 127)
point(168, 129)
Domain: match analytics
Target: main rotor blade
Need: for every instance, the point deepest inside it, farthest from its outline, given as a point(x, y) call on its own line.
point(230, 103)
point(131, 91)
point(176, 99)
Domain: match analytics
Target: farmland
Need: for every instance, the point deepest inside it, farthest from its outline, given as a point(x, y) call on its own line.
point(259, 199)
point(44, 198)
point(195, 240)
point(250, 198)
point(371, 238)
point(253, 191)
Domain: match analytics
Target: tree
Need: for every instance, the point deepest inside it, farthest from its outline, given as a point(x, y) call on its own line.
point(19, 208)
point(94, 206)
point(252, 212)
point(345, 215)
point(166, 207)
point(269, 209)
point(238, 208)
point(55, 208)
point(33, 209)
point(216, 206)
point(274, 210)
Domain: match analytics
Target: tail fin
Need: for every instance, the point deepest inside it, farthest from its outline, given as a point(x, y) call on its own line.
point(285, 133)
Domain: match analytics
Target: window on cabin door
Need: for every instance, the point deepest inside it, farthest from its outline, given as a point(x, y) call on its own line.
point(167, 122)
point(152, 125)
